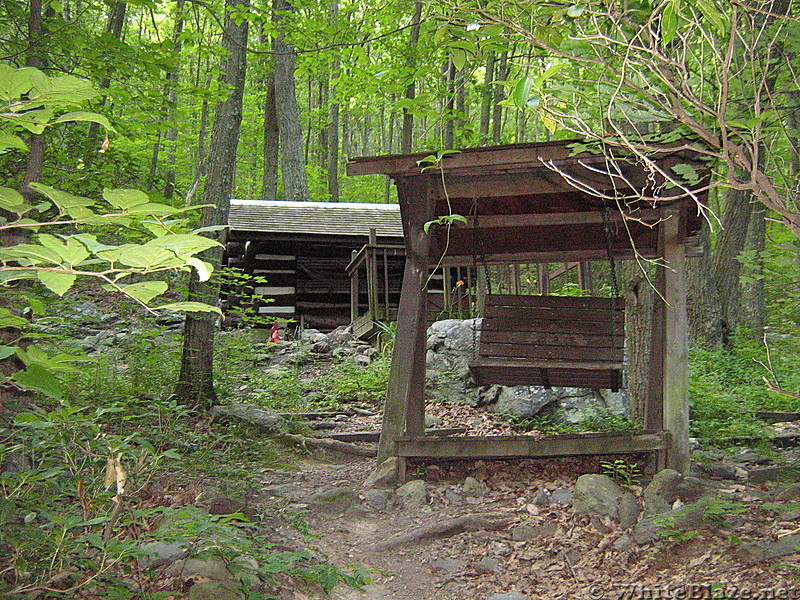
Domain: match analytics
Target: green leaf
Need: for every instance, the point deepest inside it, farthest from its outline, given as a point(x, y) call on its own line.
point(72, 252)
point(9, 319)
point(39, 379)
point(58, 283)
point(669, 23)
point(12, 201)
point(11, 141)
point(713, 15)
point(189, 307)
point(687, 172)
point(203, 269)
point(76, 206)
point(575, 11)
point(85, 116)
point(125, 199)
point(522, 92)
point(145, 291)
point(6, 351)
point(459, 57)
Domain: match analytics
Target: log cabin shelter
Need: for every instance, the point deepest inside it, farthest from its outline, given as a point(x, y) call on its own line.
point(545, 203)
point(299, 252)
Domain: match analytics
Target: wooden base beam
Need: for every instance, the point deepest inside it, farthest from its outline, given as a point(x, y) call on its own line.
point(529, 446)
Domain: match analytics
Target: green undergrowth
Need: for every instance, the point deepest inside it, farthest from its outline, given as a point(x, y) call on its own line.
point(727, 387)
point(87, 480)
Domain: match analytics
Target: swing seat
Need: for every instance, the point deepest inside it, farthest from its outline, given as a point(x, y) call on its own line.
point(551, 341)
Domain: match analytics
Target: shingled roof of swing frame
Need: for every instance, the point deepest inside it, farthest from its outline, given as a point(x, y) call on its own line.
point(315, 218)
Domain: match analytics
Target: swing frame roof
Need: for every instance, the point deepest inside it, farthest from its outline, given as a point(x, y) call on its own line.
point(543, 202)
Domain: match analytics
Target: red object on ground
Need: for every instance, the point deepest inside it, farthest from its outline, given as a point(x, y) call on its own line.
point(275, 335)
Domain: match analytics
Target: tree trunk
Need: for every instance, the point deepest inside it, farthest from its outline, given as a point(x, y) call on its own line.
point(497, 111)
point(705, 314)
point(293, 171)
point(406, 141)
point(753, 309)
point(172, 95)
point(448, 81)
point(333, 130)
point(487, 92)
point(114, 27)
point(269, 184)
point(725, 267)
point(36, 144)
point(195, 385)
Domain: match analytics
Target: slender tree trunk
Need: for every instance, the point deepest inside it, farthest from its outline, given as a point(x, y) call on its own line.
point(114, 26)
point(172, 95)
point(487, 93)
point(37, 143)
point(448, 80)
point(293, 171)
point(753, 311)
point(333, 122)
point(195, 385)
point(497, 111)
point(406, 142)
point(269, 184)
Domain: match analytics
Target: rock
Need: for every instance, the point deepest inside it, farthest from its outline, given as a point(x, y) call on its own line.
point(386, 474)
point(628, 510)
point(542, 498)
point(159, 554)
point(473, 487)
point(666, 487)
point(597, 495)
point(453, 497)
point(450, 346)
point(525, 532)
point(521, 401)
point(215, 590)
point(622, 543)
point(447, 565)
point(752, 458)
point(336, 498)
point(561, 496)
point(362, 359)
point(764, 550)
point(250, 414)
point(721, 470)
point(790, 493)
point(413, 494)
point(508, 596)
point(487, 565)
point(377, 499)
point(783, 474)
point(341, 335)
point(212, 567)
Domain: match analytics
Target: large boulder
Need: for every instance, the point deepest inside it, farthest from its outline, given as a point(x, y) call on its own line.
point(451, 345)
point(600, 496)
point(669, 486)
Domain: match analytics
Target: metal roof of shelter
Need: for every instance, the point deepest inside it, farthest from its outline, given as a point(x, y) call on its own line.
point(315, 218)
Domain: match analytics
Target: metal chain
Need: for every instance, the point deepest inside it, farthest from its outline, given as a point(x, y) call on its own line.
point(609, 250)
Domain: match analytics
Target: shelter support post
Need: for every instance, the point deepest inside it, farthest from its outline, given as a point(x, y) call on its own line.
point(404, 412)
point(353, 290)
point(675, 382)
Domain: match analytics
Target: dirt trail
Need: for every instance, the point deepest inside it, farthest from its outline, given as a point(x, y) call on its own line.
point(541, 551)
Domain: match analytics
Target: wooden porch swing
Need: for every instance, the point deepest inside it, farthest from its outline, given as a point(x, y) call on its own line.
point(532, 213)
point(549, 341)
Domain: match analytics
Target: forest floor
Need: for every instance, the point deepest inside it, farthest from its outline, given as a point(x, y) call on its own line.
point(480, 529)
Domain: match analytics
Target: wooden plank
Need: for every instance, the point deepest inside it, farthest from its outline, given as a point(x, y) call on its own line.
point(595, 444)
point(556, 302)
point(576, 354)
point(546, 314)
point(588, 327)
point(353, 289)
point(547, 338)
point(374, 436)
